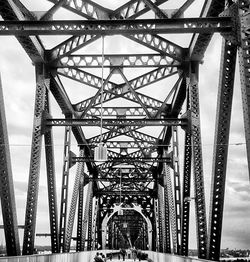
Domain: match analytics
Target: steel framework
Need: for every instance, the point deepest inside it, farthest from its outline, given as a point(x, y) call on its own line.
point(140, 186)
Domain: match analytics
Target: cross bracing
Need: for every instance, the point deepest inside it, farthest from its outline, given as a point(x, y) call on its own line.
point(140, 90)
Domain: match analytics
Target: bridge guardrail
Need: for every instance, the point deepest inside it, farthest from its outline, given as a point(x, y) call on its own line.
point(85, 256)
point(163, 257)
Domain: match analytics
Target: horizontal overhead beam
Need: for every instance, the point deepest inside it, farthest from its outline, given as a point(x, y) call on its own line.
point(123, 60)
point(111, 27)
point(124, 159)
point(127, 179)
point(119, 111)
point(116, 122)
point(124, 193)
point(127, 144)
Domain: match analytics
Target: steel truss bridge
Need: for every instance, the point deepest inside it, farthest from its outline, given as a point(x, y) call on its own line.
point(138, 196)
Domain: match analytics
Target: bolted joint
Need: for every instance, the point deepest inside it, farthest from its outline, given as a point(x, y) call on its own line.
point(44, 127)
point(245, 25)
point(187, 116)
point(72, 157)
point(235, 35)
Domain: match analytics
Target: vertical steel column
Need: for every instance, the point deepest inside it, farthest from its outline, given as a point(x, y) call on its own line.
point(177, 186)
point(95, 226)
point(113, 236)
point(167, 242)
point(7, 187)
point(244, 49)
point(221, 139)
point(72, 211)
point(88, 209)
point(90, 222)
point(64, 189)
point(34, 172)
point(186, 194)
point(160, 217)
point(79, 241)
point(171, 205)
point(201, 222)
point(51, 182)
point(156, 231)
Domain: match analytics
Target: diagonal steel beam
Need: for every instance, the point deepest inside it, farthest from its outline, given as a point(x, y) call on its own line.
point(87, 9)
point(48, 15)
point(221, 141)
point(131, 132)
point(7, 196)
point(182, 9)
point(200, 42)
point(70, 46)
point(114, 91)
point(98, 97)
point(14, 10)
point(134, 94)
point(133, 9)
point(158, 12)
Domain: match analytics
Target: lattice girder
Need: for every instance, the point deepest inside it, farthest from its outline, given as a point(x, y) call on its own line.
point(143, 152)
point(121, 60)
point(126, 27)
point(32, 194)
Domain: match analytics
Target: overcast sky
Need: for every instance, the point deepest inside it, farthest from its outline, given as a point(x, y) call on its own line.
point(18, 81)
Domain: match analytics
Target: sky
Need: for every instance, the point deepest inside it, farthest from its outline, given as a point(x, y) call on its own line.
point(18, 82)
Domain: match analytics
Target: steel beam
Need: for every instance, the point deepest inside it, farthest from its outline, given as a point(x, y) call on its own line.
point(87, 9)
point(133, 9)
point(95, 226)
point(199, 188)
point(112, 27)
point(200, 42)
point(221, 142)
point(135, 134)
point(88, 206)
point(244, 8)
point(113, 91)
point(80, 239)
point(72, 211)
point(116, 122)
point(186, 195)
point(125, 192)
point(118, 111)
point(123, 159)
point(51, 182)
point(90, 216)
point(121, 60)
point(171, 205)
point(32, 195)
point(70, 46)
point(49, 14)
point(7, 195)
point(177, 186)
point(167, 236)
point(64, 189)
point(160, 218)
point(13, 11)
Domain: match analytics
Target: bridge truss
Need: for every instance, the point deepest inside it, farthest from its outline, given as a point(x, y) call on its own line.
point(139, 192)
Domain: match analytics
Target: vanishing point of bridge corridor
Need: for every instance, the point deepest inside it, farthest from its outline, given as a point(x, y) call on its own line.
point(125, 77)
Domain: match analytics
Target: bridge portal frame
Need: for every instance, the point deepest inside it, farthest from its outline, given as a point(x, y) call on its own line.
point(197, 49)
